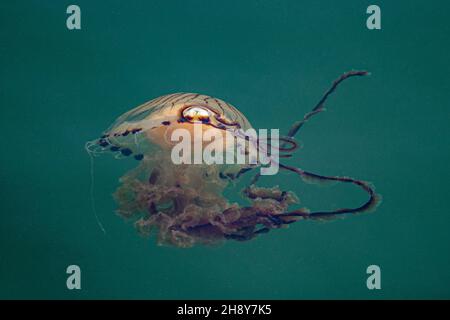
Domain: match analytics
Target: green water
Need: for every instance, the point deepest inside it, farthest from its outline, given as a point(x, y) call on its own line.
point(273, 60)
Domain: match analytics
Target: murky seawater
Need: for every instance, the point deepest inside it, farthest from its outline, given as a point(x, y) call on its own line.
point(272, 60)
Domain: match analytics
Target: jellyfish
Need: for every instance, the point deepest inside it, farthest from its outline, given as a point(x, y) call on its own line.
point(184, 204)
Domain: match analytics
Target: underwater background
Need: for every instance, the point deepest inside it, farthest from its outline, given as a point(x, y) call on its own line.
point(271, 59)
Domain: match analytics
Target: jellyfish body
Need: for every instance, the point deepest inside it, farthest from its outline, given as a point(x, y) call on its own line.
point(184, 203)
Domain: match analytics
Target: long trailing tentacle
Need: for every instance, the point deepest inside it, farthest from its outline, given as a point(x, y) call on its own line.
point(288, 144)
point(319, 107)
point(308, 176)
point(370, 204)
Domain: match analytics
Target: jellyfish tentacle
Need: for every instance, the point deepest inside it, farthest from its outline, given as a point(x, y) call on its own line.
point(92, 195)
point(255, 178)
point(319, 107)
point(287, 144)
point(371, 203)
point(308, 176)
point(284, 151)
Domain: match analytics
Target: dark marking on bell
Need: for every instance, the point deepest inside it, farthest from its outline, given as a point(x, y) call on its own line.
point(126, 152)
point(139, 157)
point(103, 143)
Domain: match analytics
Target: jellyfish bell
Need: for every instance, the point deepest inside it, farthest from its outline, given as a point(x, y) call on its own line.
point(139, 130)
point(167, 113)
